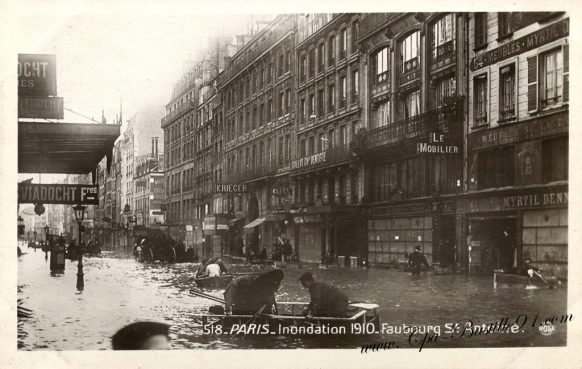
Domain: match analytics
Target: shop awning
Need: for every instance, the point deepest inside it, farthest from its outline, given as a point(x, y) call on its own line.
point(70, 148)
point(232, 222)
point(254, 223)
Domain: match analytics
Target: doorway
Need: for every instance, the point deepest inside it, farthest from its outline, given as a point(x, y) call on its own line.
point(497, 239)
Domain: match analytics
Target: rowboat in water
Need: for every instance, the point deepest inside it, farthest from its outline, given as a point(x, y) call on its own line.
point(509, 279)
point(361, 318)
point(214, 282)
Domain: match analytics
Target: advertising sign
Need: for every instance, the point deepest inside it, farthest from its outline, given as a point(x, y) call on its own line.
point(58, 194)
point(37, 75)
point(40, 107)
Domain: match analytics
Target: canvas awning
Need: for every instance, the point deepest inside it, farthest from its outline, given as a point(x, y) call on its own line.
point(275, 217)
point(69, 148)
point(254, 223)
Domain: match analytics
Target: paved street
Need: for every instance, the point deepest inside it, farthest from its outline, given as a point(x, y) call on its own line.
point(120, 291)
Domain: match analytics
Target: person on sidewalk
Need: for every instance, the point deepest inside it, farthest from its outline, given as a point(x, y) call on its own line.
point(142, 336)
point(416, 260)
point(326, 300)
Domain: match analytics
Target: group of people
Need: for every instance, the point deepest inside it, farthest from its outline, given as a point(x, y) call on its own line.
point(281, 251)
point(211, 268)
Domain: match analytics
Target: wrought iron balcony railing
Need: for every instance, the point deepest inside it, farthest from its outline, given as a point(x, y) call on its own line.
point(444, 119)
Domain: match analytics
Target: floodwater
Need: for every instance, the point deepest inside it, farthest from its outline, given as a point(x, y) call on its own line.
point(121, 291)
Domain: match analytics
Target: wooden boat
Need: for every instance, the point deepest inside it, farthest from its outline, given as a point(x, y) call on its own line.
point(214, 282)
point(501, 278)
point(362, 318)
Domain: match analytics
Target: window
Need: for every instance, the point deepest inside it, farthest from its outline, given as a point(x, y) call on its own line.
point(480, 99)
point(281, 65)
point(343, 43)
point(507, 92)
point(311, 105)
point(321, 142)
point(311, 145)
point(320, 57)
point(288, 61)
point(269, 110)
point(343, 135)
point(281, 103)
point(480, 29)
point(303, 110)
point(555, 159)
point(409, 51)
point(496, 167)
point(504, 24)
point(302, 148)
point(270, 73)
point(383, 114)
point(355, 34)
point(382, 65)
point(331, 98)
point(443, 35)
point(331, 138)
point(411, 104)
point(331, 51)
point(343, 92)
point(288, 102)
point(320, 103)
point(551, 78)
point(446, 87)
point(311, 63)
point(355, 84)
point(303, 68)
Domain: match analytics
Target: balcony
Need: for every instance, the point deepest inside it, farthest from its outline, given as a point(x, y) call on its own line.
point(445, 119)
point(189, 104)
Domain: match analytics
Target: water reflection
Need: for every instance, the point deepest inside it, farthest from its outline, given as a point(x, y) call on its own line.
point(121, 291)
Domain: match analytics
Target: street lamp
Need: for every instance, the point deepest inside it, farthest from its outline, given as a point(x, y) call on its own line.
point(79, 215)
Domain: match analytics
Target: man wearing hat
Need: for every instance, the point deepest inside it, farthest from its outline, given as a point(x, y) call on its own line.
point(326, 300)
point(416, 260)
point(142, 336)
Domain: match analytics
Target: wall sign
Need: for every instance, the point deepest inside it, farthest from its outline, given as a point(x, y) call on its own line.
point(538, 198)
point(37, 75)
point(58, 194)
point(528, 130)
point(436, 145)
point(40, 107)
point(231, 188)
point(308, 161)
point(532, 41)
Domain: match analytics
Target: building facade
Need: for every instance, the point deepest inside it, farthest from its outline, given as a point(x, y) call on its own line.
point(517, 196)
point(326, 177)
point(258, 103)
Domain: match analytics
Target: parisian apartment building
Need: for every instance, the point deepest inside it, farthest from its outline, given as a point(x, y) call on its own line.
point(357, 137)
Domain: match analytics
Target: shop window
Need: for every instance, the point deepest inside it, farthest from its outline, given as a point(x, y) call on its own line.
point(480, 100)
point(555, 159)
point(443, 36)
point(445, 88)
point(496, 167)
point(507, 92)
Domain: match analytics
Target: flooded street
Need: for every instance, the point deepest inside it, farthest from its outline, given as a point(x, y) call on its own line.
point(120, 291)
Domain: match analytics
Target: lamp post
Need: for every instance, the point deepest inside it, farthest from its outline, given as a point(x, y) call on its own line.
point(79, 215)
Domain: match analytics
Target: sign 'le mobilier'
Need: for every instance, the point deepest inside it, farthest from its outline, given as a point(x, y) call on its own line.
point(58, 194)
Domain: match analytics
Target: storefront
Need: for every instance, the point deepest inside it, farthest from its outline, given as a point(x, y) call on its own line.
point(507, 227)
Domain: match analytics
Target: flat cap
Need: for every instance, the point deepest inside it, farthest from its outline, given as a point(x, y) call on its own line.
point(132, 337)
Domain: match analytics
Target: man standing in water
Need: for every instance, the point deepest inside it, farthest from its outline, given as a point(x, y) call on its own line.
point(416, 260)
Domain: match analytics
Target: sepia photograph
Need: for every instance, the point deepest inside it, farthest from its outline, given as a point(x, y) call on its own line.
point(257, 181)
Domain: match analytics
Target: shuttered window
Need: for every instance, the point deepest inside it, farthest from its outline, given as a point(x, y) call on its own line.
point(480, 100)
point(551, 78)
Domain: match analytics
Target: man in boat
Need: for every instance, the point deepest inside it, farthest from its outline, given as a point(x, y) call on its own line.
point(416, 260)
point(221, 265)
point(326, 300)
point(201, 272)
point(264, 255)
point(253, 294)
point(531, 271)
point(212, 269)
